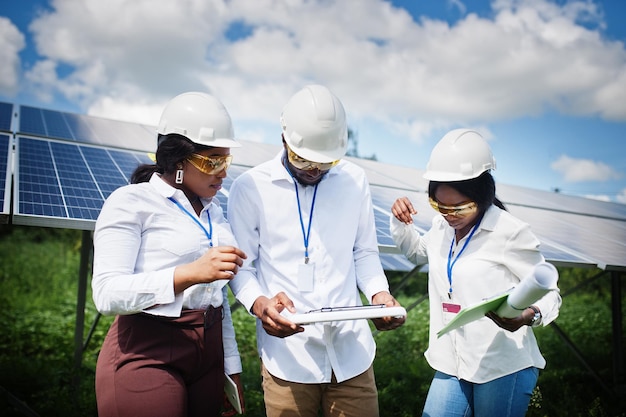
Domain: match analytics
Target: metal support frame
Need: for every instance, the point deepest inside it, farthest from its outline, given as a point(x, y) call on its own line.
point(83, 272)
point(619, 372)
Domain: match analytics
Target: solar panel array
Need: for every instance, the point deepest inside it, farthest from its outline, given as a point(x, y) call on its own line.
point(66, 165)
point(63, 184)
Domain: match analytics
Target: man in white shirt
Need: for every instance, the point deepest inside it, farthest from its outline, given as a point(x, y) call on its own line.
point(305, 221)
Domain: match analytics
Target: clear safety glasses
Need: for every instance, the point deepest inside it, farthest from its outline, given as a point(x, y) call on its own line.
point(462, 210)
point(210, 165)
point(306, 165)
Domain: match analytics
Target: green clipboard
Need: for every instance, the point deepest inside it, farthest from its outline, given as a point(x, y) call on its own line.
point(475, 312)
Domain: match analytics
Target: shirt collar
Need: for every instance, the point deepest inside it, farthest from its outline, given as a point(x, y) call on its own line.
point(490, 218)
point(279, 172)
point(168, 191)
point(162, 187)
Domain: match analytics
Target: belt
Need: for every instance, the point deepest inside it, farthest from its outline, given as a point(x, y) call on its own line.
point(190, 319)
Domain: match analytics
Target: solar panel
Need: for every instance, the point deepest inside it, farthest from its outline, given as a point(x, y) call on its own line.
point(65, 184)
point(87, 129)
point(392, 176)
point(63, 176)
point(544, 200)
point(6, 115)
point(577, 239)
point(5, 178)
point(31, 121)
point(233, 172)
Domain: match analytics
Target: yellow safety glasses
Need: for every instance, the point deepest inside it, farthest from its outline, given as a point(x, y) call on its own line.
point(462, 210)
point(306, 165)
point(210, 165)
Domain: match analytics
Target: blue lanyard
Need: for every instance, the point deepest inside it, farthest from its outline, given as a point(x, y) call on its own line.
point(452, 262)
point(209, 233)
point(308, 232)
point(305, 235)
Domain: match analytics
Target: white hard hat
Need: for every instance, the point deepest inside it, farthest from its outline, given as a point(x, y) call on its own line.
point(201, 118)
point(314, 125)
point(462, 154)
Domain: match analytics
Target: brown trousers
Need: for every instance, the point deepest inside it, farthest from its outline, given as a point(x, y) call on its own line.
point(355, 397)
point(158, 366)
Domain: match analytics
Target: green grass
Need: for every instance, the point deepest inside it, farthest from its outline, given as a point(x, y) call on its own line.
point(38, 293)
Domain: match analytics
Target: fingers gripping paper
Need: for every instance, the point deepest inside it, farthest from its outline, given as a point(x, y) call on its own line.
point(532, 288)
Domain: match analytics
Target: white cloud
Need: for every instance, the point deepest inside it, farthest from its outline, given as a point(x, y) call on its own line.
point(580, 170)
point(383, 64)
point(621, 197)
point(401, 77)
point(42, 80)
point(11, 43)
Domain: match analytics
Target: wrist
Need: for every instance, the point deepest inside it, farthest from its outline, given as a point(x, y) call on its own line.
point(535, 320)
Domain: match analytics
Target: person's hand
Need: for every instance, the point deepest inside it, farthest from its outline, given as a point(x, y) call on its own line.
point(402, 210)
point(228, 410)
point(512, 324)
point(387, 323)
point(269, 309)
point(220, 262)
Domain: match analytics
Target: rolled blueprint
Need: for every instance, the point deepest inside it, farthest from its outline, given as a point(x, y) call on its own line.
point(543, 279)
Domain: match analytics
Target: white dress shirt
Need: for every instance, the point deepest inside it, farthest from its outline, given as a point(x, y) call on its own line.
point(263, 211)
point(502, 251)
point(140, 237)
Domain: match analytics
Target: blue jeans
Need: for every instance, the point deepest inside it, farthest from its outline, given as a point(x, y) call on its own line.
point(507, 396)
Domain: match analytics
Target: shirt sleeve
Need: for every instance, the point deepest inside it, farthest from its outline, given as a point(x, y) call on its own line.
point(409, 241)
point(520, 256)
point(232, 360)
point(117, 289)
point(370, 275)
point(243, 218)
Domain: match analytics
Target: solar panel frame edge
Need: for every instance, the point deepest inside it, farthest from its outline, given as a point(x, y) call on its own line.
point(54, 222)
point(5, 215)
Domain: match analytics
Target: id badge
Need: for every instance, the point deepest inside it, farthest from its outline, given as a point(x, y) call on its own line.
point(305, 277)
point(449, 311)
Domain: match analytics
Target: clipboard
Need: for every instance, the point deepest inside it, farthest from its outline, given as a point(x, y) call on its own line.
point(328, 314)
point(232, 393)
point(475, 312)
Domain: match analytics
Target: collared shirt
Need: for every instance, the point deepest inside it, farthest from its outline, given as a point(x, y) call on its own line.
point(263, 211)
point(140, 237)
point(502, 251)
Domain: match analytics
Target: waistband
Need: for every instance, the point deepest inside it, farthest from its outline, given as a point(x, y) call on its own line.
point(190, 319)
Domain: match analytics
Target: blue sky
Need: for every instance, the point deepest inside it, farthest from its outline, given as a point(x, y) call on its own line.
point(544, 81)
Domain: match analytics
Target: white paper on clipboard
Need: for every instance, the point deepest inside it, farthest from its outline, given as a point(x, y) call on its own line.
point(230, 388)
point(327, 314)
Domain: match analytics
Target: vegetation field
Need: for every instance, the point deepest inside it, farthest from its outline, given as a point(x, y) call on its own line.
point(39, 270)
